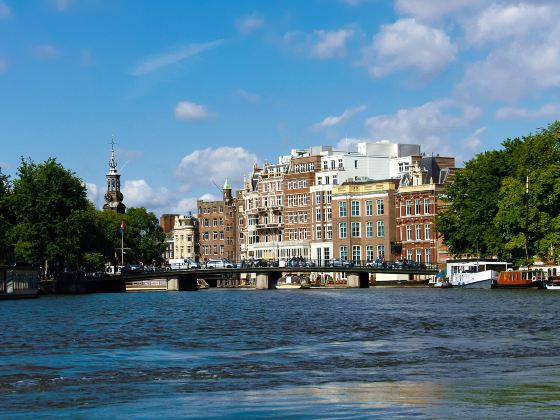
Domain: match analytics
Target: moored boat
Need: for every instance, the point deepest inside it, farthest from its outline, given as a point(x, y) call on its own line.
point(480, 273)
point(552, 286)
point(519, 279)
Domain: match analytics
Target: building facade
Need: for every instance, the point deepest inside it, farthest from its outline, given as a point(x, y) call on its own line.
point(363, 220)
point(418, 201)
point(217, 225)
point(185, 237)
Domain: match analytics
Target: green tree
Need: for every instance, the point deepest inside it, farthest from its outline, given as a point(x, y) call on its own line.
point(488, 207)
point(47, 200)
point(5, 218)
point(143, 236)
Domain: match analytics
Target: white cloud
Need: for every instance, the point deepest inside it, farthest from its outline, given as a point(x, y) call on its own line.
point(249, 24)
point(332, 120)
point(545, 111)
point(205, 166)
point(5, 11)
point(408, 44)
point(514, 20)
point(473, 142)
point(3, 65)
point(250, 96)
point(138, 193)
point(160, 61)
point(428, 125)
point(513, 70)
point(93, 194)
point(320, 44)
point(350, 144)
point(186, 110)
point(330, 44)
point(44, 52)
point(429, 10)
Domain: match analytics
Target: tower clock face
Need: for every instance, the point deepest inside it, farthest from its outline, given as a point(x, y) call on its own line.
point(108, 197)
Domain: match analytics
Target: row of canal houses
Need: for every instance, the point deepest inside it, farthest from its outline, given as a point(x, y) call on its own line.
point(321, 203)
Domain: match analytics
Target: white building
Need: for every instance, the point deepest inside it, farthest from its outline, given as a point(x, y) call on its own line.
point(184, 237)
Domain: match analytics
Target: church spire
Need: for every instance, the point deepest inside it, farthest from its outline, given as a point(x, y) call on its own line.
point(113, 196)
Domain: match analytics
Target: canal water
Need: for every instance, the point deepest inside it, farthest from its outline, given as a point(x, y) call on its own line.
point(369, 353)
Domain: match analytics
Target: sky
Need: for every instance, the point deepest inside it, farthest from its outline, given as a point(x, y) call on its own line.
point(194, 92)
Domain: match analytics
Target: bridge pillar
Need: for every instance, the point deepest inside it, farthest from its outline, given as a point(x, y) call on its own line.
point(183, 282)
point(267, 281)
point(358, 280)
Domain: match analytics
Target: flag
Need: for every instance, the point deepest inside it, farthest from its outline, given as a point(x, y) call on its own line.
point(122, 226)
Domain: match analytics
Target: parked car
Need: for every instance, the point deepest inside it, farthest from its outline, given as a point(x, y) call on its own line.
point(378, 263)
point(337, 262)
point(220, 263)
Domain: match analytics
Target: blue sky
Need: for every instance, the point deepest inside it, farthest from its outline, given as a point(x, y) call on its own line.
point(196, 91)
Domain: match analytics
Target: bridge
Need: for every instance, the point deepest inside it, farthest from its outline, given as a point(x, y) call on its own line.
point(186, 280)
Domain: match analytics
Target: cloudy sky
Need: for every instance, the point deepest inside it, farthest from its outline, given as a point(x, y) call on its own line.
point(196, 91)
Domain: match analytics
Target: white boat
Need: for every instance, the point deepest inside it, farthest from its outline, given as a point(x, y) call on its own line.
point(551, 286)
point(475, 273)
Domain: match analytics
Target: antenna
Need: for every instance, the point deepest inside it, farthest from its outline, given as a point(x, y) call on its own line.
point(216, 185)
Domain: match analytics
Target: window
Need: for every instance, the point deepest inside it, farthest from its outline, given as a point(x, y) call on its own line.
point(319, 180)
point(418, 255)
point(328, 214)
point(215, 235)
point(333, 164)
point(381, 251)
point(426, 206)
point(369, 229)
point(327, 253)
point(327, 180)
point(356, 254)
point(355, 229)
point(408, 207)
point(340, 166)
point(329, 197)
point(380, 207)
point(205, 236)
point(328, 233)
point(355, 208)
point(408, 232)
point(342, 209)
point(369, 253)
point(326, 164)
point(409, 254)
point(418, 232)
point(369, 208)
point(428, 255)
point(380, 228)
point(222, 250)
point(356, 164)
point(214, 222)
point(342, 230)
point(215, 249)
point(343, 252)
point(318, 197)
point(221, 235)
point(318, 215)
point(318, 232)
point(417, 206)
point(335, 180)
point(427, 232)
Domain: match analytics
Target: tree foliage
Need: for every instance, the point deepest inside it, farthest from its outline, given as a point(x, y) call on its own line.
point(46, 219)
point(489, 212)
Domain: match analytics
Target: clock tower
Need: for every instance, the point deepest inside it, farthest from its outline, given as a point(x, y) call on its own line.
point(113, 196)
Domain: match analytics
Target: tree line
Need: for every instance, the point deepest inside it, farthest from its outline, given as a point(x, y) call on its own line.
point(46, 220)
point(490, 212)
